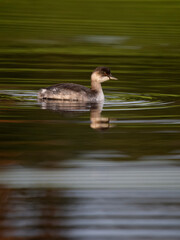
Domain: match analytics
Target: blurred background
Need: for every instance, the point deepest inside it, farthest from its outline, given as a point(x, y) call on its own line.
point(77, 171)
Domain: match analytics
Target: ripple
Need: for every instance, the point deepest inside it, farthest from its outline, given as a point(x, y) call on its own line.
point(114, 101)
point(127, 101)
point(26, 96)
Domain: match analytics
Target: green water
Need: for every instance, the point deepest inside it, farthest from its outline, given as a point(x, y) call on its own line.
point(76, 171)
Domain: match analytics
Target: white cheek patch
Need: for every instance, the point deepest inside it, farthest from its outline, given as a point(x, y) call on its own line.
point(104, 78)
point(95, 76)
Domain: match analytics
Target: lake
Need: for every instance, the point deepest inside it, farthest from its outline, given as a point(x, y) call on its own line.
point(90, 171)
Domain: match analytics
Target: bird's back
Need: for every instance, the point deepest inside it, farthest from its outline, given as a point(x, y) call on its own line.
point(65, 91)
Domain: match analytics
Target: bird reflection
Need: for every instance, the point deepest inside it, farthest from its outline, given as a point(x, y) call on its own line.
point(71, 108)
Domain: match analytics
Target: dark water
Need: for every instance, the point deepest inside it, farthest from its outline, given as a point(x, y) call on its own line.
point(81, 171)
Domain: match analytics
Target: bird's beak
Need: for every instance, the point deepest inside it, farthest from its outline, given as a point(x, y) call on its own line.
point(111, 77)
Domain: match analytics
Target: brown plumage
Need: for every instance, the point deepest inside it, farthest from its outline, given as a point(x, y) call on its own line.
point(76, 92)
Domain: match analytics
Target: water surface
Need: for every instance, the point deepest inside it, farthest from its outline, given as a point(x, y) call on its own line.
point(82, 171)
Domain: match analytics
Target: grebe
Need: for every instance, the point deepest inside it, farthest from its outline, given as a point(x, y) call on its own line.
point(76, 92)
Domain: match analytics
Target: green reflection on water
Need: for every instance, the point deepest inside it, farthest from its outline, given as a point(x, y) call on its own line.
point(45, 146)
point(43, 43)
point(91, 27)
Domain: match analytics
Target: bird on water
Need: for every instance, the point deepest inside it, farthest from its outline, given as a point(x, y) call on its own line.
point(76, 92)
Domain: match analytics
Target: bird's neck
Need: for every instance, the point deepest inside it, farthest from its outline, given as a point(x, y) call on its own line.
point(97, 89)
point(96, 86)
